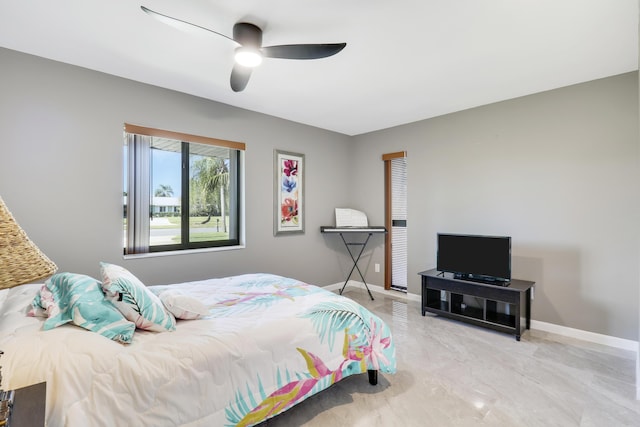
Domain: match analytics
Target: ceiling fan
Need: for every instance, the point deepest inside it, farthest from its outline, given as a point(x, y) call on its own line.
point(250, 51)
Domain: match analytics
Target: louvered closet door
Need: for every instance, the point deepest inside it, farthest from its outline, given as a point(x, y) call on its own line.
point(399, 223)
point(395, 199)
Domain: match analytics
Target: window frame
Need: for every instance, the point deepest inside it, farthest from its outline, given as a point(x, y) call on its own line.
point(237, 198)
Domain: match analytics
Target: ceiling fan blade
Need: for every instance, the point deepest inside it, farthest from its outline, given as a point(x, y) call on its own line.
point(180, 24)
point(302, 51)
point(240, 77)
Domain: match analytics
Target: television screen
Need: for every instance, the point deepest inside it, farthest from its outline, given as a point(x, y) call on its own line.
point(475, 257)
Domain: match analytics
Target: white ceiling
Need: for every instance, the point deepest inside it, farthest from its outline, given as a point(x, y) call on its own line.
point(405, 60)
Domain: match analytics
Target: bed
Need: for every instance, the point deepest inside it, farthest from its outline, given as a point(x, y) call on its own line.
point(265, 344)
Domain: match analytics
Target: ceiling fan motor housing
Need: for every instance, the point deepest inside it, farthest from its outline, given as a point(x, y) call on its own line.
point(247, 34)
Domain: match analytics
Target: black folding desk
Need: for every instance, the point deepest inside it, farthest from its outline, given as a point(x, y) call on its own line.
point(354, 230)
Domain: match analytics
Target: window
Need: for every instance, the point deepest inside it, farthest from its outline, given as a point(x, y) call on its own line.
point(180, 191)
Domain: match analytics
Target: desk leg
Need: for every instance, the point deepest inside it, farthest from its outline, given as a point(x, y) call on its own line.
point(355, 262)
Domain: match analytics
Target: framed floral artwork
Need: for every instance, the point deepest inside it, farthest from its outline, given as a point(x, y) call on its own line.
point(289, 193)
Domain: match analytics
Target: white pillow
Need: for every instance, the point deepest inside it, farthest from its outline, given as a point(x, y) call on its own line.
point(183, 306)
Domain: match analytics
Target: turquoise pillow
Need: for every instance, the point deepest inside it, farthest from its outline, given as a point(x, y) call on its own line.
point(134, 300)
point(78, 299)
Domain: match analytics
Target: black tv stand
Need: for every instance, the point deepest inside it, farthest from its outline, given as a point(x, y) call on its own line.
point(501, 308)
point(485, 280)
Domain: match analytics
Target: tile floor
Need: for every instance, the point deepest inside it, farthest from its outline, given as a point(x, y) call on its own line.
point(454, 374)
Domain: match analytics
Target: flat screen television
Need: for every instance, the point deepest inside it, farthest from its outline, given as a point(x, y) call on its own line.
point(472, 257)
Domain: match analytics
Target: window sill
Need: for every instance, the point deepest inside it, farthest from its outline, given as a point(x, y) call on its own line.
point(183, 252)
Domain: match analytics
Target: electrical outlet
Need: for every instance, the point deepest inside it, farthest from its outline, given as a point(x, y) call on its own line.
point(376, 267)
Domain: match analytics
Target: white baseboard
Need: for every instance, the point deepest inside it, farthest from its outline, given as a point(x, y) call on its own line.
point(593, 337)
point(535, 324)
point(373, 288)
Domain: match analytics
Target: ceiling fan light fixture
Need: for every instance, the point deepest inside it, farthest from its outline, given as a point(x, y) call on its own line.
point(248, 57)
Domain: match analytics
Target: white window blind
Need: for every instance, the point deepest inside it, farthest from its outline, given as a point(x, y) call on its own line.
point(138, 193)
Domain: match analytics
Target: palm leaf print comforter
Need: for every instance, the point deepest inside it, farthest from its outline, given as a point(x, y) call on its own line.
point(268, 343)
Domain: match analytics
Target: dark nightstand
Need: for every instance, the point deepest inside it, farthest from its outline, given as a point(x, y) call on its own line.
point(29, 406)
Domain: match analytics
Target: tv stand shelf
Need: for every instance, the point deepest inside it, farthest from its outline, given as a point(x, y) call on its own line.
point(501, 308)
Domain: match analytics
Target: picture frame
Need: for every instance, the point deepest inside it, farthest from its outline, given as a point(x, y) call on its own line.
point(289, 193)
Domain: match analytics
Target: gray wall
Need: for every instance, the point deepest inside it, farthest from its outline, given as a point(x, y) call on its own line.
point(61, 136)
point(558, 171)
